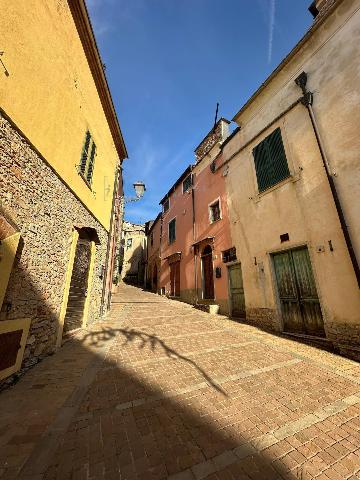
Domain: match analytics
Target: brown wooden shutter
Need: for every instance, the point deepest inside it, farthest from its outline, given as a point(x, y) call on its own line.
point(10, 343)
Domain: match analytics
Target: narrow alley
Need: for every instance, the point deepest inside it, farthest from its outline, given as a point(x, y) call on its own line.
point(162, 390)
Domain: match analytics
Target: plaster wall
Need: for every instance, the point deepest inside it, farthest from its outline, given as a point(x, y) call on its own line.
point(181, 209)
point(208, 187)
point(153, 255)
point(51, 96)
point(134, 254)
point(302, 205)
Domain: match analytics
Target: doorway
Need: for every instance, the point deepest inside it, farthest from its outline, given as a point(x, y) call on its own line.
point(79, 284)
point(236, 290)
point(208, 273)
point(175, 279)
point(154, 278)
point(299, 301)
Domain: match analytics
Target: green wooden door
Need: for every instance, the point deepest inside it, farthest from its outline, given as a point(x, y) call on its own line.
point(297, 292)
point(236, 287)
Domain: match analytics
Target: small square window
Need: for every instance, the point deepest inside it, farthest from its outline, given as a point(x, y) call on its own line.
point(187, 183)
point(166, 205)
point(229, 255)
point(215, 213)
point(128, 243)
point(172, 230)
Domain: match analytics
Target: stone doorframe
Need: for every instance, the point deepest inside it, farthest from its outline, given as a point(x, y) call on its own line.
point(68, 274)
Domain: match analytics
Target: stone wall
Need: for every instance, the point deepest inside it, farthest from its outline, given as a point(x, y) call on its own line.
point(45, 211)
point(265, 318)
point(217, 134)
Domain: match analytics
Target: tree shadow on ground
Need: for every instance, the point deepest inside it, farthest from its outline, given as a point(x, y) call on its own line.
point(147, 340)
point(86, 413)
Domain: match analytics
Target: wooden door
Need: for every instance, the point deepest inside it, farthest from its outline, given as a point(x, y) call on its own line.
point(154, 278)
point(297, 292)
point(236, 287)
point(208, 273)
point(78, 286)
point(175, 279)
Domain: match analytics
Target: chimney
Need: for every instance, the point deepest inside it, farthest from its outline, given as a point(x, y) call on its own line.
point(216, 135)
point(319, 6)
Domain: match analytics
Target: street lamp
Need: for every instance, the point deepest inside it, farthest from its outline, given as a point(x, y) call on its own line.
point(139, 188)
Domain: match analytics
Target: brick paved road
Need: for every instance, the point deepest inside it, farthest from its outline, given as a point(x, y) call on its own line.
point(161, 390)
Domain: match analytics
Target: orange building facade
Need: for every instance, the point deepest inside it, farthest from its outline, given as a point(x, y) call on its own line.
point(198, 259)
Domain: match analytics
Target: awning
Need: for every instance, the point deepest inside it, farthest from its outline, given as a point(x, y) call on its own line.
point(174, 257)
point(206, 239)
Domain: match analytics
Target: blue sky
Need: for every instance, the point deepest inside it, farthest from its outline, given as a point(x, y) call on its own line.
point(169, 61)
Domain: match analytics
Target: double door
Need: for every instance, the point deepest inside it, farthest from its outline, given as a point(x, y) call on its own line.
point(300, 306)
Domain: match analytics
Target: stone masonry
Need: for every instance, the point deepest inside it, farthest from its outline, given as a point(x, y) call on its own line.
point(44, 210)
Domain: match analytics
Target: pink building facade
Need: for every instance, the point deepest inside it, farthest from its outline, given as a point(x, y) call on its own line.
point(198, 258)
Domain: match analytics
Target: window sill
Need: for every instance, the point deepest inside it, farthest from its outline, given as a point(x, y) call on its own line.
point(215, 221)
point(291, 179)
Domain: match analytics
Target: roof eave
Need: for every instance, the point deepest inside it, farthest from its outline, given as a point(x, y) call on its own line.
point(287, 59)
point(86, 34)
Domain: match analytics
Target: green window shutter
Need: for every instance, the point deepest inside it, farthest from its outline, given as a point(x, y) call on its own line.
point(270, 161)
point(85, 153)
point(90, 168)
point(262, 166)
point(172, 231)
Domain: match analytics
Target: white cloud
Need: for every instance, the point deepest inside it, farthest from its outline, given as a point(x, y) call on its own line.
point(271, 29)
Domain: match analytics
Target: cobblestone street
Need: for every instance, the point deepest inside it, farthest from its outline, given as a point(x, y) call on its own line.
point(162, 390)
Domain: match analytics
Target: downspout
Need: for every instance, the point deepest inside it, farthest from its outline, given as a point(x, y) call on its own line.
point(194, 236)
point(301, 81)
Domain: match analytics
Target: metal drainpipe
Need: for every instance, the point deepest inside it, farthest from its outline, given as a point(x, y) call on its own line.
point(301, 81)
point(194, 234)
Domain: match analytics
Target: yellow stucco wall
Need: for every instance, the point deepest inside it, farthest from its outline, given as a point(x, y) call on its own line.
point(51, 96)
point(302, 206)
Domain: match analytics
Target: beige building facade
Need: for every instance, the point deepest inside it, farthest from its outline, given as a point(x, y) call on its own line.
point(133, 253)
point(292, 170)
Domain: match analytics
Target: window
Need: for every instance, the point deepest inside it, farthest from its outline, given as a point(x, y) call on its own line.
point(166, 205)
point(187, 183)
point(152, 239)
point(128, 243)
point(229, 255)
point(270, 161)
point(87, 161)
point(215, 213)
point(172, 230)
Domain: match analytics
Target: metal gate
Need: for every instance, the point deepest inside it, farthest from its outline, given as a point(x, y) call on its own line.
point(236, 287)
point(78, 286)
point(297, 292)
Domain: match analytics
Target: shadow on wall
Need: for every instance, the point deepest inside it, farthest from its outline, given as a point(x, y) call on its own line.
point(118, 424)
point(24, 301)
